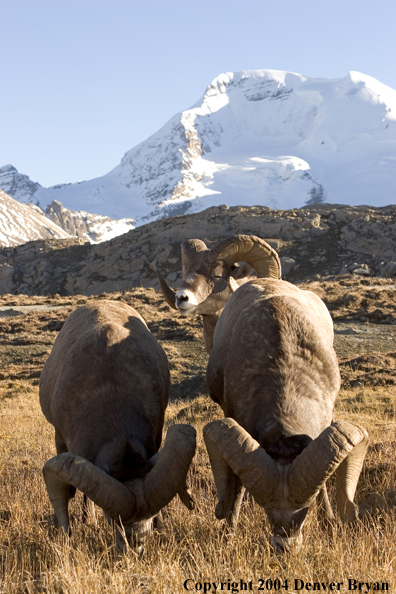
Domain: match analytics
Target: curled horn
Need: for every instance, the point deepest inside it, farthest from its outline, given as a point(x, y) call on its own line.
point(341, 446)
point(168, 293)
point(248, 248)
point(68, 469)
point(138, 499)
point(228, 443)
point(189, 250)
point(168, 476)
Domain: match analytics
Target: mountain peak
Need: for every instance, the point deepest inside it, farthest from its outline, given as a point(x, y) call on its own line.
point(267, 137)
point(17, 185)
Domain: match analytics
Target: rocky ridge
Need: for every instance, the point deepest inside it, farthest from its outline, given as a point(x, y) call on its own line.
point(18, 201)
point(313, 242)
point(25, 222)
point(85, 225)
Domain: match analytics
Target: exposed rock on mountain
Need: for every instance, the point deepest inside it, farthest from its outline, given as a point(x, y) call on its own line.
point(318, 241)
point(265, 137)
point(24, 222)
point(91, 227)
point(21, 222)
point(17, 185)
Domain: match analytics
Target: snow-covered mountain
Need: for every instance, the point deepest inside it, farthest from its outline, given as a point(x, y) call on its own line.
point(20, 223)
point(256, 137)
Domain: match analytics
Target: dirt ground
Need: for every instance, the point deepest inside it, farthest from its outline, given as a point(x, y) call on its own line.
point(363, 310)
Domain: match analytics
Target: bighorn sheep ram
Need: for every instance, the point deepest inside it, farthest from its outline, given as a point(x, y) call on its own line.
point(274, 372)
point(105, 388)
point(211, 276)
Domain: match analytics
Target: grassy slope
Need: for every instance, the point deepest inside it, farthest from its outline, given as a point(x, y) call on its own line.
point(34, 557)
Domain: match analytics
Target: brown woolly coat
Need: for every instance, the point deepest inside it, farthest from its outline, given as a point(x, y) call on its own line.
point(273, 367)
point(105, 388)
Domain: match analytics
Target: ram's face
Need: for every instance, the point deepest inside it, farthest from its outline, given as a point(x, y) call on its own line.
point(135, 535)
point(209, 276)
point(204, 289)
point(286, 525)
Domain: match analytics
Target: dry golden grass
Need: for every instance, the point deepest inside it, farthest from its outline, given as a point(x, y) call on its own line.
point(35, 557)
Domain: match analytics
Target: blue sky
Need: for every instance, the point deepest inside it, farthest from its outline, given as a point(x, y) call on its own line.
point(84, 81)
